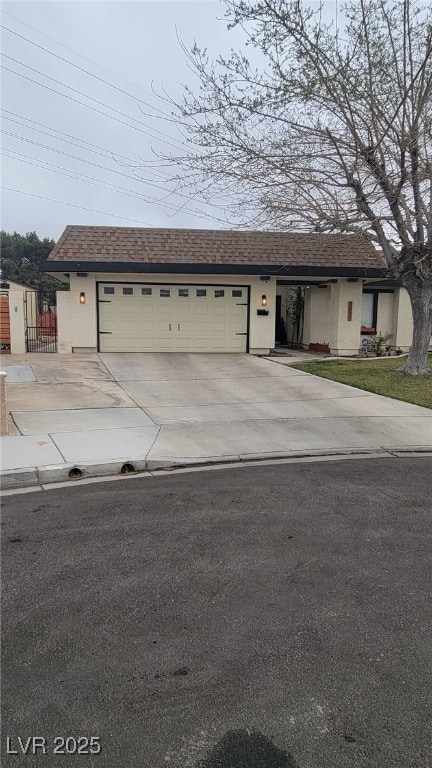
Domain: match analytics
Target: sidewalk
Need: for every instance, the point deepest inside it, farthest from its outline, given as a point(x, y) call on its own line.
point(77, 416)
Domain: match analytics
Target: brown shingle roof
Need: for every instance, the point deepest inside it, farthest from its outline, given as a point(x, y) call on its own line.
point(203, 246)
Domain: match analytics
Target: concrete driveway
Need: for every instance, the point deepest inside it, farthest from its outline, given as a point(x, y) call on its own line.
point(192, 407)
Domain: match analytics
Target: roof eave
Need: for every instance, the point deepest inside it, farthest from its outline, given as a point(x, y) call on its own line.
point(272, 270)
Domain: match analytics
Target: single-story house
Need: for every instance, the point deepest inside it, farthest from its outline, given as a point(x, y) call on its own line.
point(182, 290)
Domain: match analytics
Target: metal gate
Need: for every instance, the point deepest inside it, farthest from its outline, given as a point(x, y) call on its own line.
point(41, 321)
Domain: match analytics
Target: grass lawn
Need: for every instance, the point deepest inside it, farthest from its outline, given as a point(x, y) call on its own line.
point(378, 376)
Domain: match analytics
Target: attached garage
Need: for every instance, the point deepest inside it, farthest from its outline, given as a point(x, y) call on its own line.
point(155, 317)
point(182, 290)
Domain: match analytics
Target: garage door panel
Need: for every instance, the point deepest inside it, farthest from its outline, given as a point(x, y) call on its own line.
point(172, 318)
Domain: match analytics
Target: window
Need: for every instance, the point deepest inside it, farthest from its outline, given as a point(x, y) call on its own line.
point(237, 294)
point(201, 292)
point(183, 292)
point(108, 289)
point(165, 293)
point(369, 310)
point(146, 291)
point(219, 294)
point(127, 291)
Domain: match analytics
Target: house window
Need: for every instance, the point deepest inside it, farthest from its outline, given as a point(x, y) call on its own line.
point(369, 312)
point(201, 292)
point(219, 294)
point(183, 292)
point(108, 289)
point(237, 294)
point(165, 293)
point(146, 291)
point(127, 291)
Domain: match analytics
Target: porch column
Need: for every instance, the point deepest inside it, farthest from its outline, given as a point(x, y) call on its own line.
point(402, 320)
point(316, 324)
point(345, 317)
point(17, 322)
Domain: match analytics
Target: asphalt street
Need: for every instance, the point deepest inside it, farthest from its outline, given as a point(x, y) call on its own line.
point(257, 617)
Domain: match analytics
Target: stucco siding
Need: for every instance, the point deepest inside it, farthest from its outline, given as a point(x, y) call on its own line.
point(345, 303)
point(83, 325)
point(319, 315)
point(385, 315)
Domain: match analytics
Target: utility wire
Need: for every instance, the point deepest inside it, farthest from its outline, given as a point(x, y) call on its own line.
point(96, 101)
point(77, 101)
point(106, 153)
point(68, 173)
point(72, 205)
point(107, 186)
point(101, 167)
point(111, 153)
point(169, 117)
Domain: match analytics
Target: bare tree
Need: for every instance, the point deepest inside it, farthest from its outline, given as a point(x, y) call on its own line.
point(330, 131)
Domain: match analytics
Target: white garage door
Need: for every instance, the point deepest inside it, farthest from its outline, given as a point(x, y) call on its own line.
point(138, 317)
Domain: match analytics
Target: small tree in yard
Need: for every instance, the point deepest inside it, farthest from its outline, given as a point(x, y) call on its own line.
point(329, 132)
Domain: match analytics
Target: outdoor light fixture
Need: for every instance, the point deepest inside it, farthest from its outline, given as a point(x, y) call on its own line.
point(263, 301)
point(82, 297)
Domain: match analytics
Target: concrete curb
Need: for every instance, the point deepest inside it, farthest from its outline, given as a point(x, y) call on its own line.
point(18, 478)
point(59, 473)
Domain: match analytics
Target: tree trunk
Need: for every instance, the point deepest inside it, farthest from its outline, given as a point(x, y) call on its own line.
point(420, 293)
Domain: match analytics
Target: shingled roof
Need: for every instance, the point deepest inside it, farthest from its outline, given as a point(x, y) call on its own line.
point(203, 246)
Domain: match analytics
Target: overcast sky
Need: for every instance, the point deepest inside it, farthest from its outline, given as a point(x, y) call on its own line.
point(137, 42)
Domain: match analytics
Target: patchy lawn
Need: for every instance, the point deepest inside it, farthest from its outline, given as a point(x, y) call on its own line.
point(378, 376)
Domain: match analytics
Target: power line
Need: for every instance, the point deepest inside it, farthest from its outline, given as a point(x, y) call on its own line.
point(151, 183)
point(72, 205)
point(101, 167)
point(110, 152)
point(107, 186)
point(74, 157)
point(81, 68)
point(96, 101)
point(77, 101)
point(103, 153)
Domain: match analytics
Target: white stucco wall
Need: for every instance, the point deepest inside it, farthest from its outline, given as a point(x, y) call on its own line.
point(344, 334)
point(64, 322)
point(83, 324)
point(17, 322)
point(325, 316)
point(17, 287)
point(385, 315)
point(316, 316)
point(82, 316)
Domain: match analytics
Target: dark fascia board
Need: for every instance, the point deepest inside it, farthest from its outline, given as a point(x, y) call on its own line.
point(270, 270)
point(387, 284)
point(306, 283)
